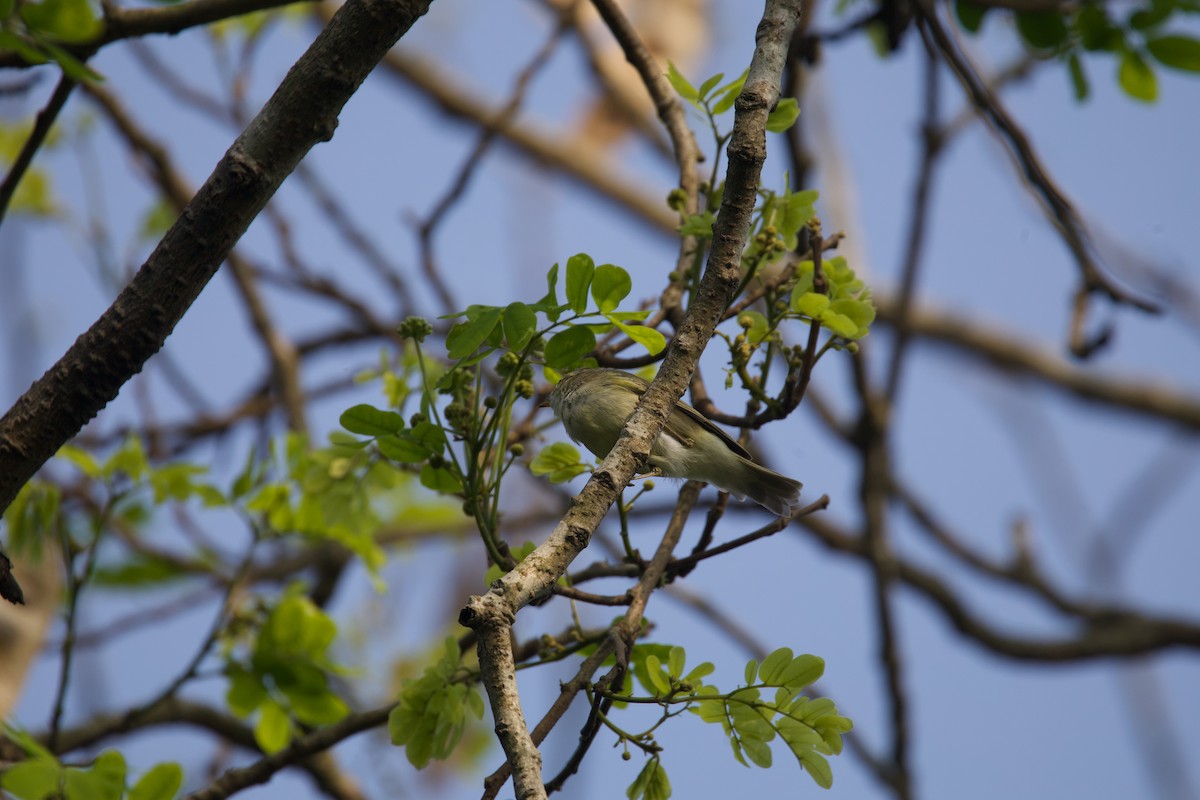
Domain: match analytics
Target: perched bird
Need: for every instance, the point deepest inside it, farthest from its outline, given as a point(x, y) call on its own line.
point(594, 404)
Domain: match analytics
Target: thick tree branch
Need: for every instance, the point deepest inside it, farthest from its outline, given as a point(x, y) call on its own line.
point(301, 113)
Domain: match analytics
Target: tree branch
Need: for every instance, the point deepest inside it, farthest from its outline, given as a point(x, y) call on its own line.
point(301, 113)
point(492, 615)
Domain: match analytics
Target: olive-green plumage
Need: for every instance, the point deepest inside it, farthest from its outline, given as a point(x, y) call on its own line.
point(594, 404)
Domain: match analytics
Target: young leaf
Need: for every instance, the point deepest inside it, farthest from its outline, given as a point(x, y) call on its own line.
point(161, 782)
point(103, 780)
point(466, 337)
point(802, 671)
point(818, 767)
point(559, 462)
point(783, 116)
point(440, 480)
point(1137, 78)
point(649, 338)
point(676, 659)
point(1176, 52)
point(1079, 82)
point(729, 94)
point(402, 449)
point(580, 269)
point(568, 346)
point(610, 285)
point(681, 84)
point(709, 84)
point(370, 421)
point(654, 671)
point(273, 730)
point(520, 323)
point(774, 665)
point(31, 780)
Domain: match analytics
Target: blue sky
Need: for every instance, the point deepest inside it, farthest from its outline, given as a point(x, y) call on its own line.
point(983, 727)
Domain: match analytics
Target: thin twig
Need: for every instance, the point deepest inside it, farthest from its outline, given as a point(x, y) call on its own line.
point(41, 129)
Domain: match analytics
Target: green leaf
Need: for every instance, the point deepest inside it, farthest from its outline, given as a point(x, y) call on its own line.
point(699, 673)
point(1137, 78)
point(651, 783)
point(1148, 17)
point(729, 94)
point(15, 43)
point(140, 571)
point(839, 324)
point(316, 707)
point(1176, 52)
point(466, 337)
point(245, 692)
point(520, 323)
point(610, 285)
point(81, 458)
point(402, 449)
point(72, 66)
point(676, 659)
point(818, 767)
point(70, 21)
point(969, 14)
point(709, 84)
point(751, 670)
point(802, 671)
point(649, 338)
point(273, 730)
point(698, 225)
point(161, 782)
point(560, 462)
point(658, 678)
point(580, 269)
point(568, 346)
point(1096, 30)
point(783, 116)
point(103, 780)
point(549, 302)
point(367, 420)
point(31, 780)
point(130, 459)
point(810, 304)
point(681, 84)
point(440, 480)
point(1043, 30)
point(757, 751)
point(773, 666)
point(1078, 77)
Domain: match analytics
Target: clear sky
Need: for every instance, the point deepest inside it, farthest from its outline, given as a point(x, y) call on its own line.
point(984, 448)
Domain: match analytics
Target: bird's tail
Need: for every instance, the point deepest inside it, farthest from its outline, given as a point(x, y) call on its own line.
point(774, 492)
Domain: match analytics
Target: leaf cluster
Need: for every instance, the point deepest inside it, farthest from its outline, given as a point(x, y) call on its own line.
point(42, 777)
point(37, 32)
point(810, 728)
point(1135, 38)
point(284, 676)
point(431, 715)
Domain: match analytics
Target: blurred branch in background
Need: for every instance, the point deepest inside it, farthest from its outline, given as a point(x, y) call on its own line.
point(237, 507)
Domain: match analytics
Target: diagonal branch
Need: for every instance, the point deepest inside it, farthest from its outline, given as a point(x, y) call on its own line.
point(301, 113)
point(1058, 208)
point(493, 614)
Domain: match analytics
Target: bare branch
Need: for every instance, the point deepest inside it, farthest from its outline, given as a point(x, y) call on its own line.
point(302, 112)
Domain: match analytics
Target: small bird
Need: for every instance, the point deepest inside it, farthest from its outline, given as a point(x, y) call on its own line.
point(594, 404)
